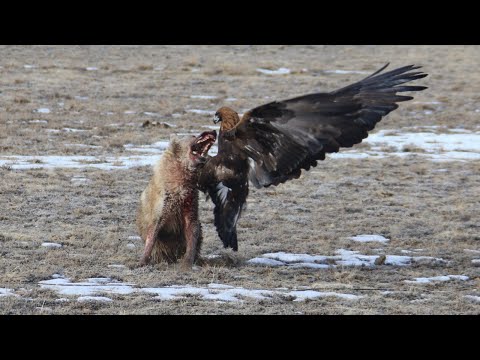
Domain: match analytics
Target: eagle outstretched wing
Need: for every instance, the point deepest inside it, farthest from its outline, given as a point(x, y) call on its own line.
point(272, 143)
point(283, 137)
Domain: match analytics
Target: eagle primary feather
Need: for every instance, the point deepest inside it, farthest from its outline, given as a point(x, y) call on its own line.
point(272, 143)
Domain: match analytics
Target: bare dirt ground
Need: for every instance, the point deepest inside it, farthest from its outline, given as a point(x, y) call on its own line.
point(92, 102)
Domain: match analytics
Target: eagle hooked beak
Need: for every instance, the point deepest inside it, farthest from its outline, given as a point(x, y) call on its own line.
point(216, 119)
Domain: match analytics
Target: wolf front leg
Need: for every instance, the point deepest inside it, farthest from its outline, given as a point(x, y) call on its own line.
point(152, 233)
point(192, 238)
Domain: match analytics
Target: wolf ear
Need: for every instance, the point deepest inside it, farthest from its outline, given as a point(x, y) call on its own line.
point(174, 145)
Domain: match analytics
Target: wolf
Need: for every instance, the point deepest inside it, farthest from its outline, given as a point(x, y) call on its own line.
point(167, 217)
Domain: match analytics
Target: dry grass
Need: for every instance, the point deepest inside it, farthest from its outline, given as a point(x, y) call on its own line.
point(407, 200)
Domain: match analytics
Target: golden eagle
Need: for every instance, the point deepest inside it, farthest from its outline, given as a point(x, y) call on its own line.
point(272, 143)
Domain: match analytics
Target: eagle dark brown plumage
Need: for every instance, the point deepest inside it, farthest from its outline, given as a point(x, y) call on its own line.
point(272, 143)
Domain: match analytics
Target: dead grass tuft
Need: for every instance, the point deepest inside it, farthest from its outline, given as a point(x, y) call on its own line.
point(145, 68)
point(21, 100)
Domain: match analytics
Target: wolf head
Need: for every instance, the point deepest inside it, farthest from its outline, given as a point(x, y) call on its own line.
point(192, 151)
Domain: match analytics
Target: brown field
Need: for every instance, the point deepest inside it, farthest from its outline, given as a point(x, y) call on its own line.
point(427, 209)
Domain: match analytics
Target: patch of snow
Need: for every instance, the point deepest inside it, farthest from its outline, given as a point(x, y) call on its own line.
point(168, 124)
point(426, 280)
point(353, 258)
point(51, 245)
point(66, 130)
point(175, 292)
point(201, 112)
point(131, 246)
point(302, 295)
point(62, 300)
point(473, 298)
point(117, 266)
point(91, 287)
point(134, 238)
point(266, 262)
point(292, 258)
point(420, 259)
point(434, 127)
point(342, 258)
point(85, 146)
point(176, 115)
point(230, 294)
point(476, 262)
point(427, 141)
point(94, 298)
point(29, 66)
point(472, 251)
point(212, 127)
point(427, 102)
point(370, 238)
point(309, 265)
point(399, 260)
point(148, 113)
point(91, 68)
point(352, 154)
point(231, 99)
point(83, 98)
point(38, 121)
point(219, 286)
point(79, 162)
point(73, 130)
point(204, 97)
point(438, 147)
point(279, 71)
point(43, 111)
point(233, 294)
point(6, 292)
point(129, 112)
